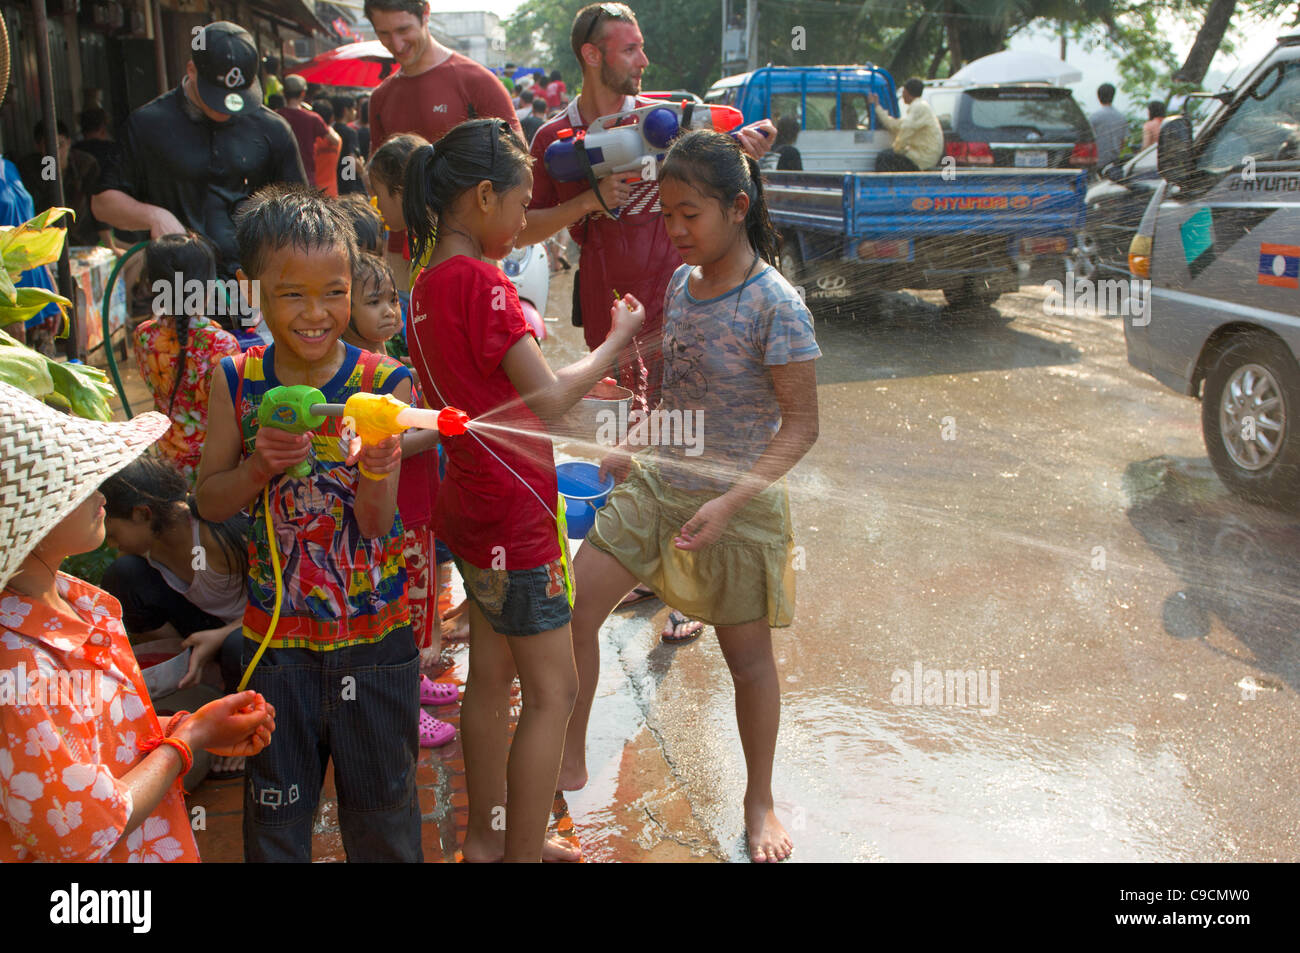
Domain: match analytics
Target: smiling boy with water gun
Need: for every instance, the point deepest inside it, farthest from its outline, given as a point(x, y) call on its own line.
point(328, 583)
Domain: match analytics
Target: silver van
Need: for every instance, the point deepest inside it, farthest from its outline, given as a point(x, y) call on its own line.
point(1220, 247)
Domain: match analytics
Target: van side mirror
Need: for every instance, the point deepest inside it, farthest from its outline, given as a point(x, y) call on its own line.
point(1174, 156)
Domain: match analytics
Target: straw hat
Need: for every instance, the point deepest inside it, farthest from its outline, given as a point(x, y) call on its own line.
point(51, 462)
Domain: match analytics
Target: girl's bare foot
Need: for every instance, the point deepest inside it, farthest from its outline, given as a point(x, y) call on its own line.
point(223, 769)
point(768, 841)
point(556, 850)
point(572, 777)
point(456, 629)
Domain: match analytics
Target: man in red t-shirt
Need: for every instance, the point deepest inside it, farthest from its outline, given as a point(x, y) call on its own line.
point(308, 128)
point(435, 90)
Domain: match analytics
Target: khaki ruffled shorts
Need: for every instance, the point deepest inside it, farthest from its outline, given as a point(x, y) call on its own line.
point(744, 576)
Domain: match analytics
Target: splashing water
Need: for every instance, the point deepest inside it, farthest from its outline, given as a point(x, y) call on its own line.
point(643, 378)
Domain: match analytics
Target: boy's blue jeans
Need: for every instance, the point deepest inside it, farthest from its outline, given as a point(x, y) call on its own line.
point(359, 706)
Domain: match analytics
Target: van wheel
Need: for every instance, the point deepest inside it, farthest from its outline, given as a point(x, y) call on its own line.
point(790, 262)
point(968, 294)
point(1249, 413)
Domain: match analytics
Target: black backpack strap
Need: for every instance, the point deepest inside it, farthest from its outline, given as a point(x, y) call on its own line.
point(580, 147)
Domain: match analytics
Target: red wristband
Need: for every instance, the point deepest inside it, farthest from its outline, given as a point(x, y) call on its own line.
point(174, 722)
point(187, 755)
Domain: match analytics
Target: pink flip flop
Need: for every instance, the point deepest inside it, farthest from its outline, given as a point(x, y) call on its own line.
point(437, 693)
point(434, 733)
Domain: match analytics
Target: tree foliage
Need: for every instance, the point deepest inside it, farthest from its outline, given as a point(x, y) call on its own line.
point(929, 38)
point(683, 40)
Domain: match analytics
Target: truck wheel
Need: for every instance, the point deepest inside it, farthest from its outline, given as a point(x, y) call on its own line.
point(790, 262)
point(970, 295)
point(1249, 413)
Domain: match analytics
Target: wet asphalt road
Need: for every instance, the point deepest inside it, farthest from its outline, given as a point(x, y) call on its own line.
point(1129, 628)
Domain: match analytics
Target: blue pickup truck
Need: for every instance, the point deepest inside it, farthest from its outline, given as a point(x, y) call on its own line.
point(973, 233)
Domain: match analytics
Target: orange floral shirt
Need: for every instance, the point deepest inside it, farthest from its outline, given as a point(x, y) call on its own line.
point(73, 708)
point(157, 352)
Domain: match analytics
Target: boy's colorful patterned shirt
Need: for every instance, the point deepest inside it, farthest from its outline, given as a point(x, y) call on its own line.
point(340, 588)
point(73, 710)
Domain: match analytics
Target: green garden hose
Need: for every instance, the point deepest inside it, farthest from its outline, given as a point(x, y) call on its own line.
point(108, 333)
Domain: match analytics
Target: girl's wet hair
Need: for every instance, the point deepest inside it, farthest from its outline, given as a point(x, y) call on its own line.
point(149, 481)
point(370, 271)
point(388, 164)
point(436, 176)
point(715, 165)
point(192, 257)
point(290, 216)
point(366, 223)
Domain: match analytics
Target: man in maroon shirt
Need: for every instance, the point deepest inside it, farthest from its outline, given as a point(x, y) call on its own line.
point(308, 128)
point(435, 90)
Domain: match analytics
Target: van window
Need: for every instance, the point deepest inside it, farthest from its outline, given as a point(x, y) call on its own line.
point(820, 108)
point(724, 97)
point(1049, 113)
point(1265, 126)
point(820, 111)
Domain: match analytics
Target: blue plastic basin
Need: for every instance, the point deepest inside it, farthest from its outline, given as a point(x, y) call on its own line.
point(583, 492)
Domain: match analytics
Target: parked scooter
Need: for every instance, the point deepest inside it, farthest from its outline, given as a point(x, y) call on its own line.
point(530, 271)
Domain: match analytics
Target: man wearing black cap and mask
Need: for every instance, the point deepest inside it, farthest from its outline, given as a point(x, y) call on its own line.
point(194, 154)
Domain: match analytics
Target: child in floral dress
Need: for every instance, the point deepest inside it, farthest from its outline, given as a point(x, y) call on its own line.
point(177, 349)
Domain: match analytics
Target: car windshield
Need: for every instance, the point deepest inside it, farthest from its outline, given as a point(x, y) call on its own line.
point(1265, 126)
point(1046, 113)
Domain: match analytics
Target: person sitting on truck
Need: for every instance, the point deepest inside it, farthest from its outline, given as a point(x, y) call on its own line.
point(918, 137)
point(784, 155)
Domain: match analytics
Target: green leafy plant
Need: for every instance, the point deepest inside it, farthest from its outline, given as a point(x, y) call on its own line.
point(78, 388)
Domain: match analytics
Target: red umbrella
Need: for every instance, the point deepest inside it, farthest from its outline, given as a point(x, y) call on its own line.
point(353, 64)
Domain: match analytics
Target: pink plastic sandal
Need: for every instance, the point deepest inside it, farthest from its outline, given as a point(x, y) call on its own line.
point(434, 733)
point(437, 693)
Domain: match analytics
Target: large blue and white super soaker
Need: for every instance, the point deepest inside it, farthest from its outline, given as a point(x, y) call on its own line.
point(632, 141)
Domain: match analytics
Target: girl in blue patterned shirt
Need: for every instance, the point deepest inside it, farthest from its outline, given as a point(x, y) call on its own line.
point(703, 518)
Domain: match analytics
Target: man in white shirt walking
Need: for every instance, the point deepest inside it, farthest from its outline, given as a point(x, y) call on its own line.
point(918, 137)
point(1109, 126)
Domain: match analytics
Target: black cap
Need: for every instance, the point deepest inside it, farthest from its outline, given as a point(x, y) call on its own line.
point(226, 60)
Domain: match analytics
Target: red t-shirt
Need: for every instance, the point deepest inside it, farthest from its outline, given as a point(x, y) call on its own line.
point(554, 94)
point(417, 484)
point(432, 103)
point(307, 128)
point(458, 340)
point(632, 254)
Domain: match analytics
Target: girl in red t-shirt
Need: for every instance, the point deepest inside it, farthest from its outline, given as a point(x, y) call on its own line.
point(496, 508)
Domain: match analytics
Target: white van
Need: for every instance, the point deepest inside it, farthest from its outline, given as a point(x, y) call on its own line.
point(1220, 246)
